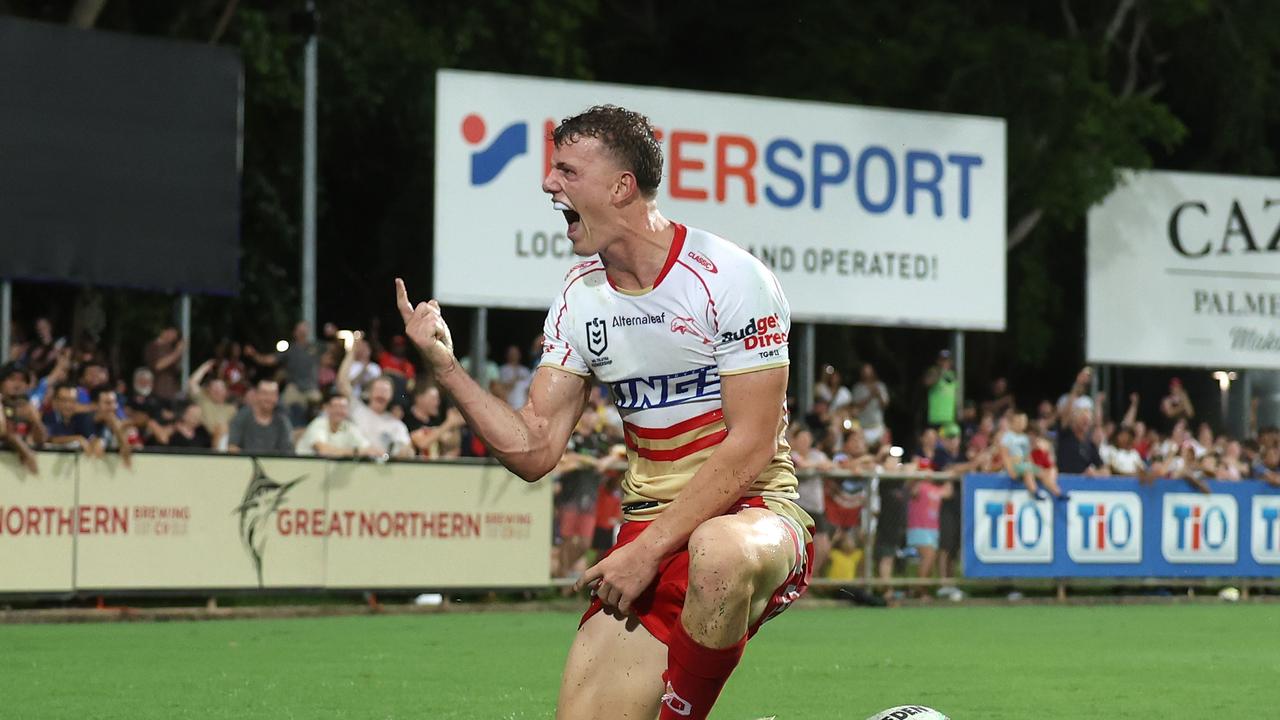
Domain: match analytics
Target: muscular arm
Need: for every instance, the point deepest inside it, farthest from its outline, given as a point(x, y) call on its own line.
point(528, 441)
point(752, 404)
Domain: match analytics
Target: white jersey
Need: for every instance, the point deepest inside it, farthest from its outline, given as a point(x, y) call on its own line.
point(714, 310)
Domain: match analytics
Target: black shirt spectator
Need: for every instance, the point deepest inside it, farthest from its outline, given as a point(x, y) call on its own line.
point(1077, 454)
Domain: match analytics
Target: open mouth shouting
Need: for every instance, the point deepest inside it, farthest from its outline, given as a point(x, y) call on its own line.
point(571, 216)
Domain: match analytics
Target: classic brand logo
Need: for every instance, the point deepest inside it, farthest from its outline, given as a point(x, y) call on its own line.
point(487, 163)
point(262, 498)
point(702, 260)
point(597, 336)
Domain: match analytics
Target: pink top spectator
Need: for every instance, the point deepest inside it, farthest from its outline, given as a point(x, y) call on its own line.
point(922, 513)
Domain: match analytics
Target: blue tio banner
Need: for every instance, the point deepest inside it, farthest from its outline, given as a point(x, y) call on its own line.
point(1121, 528)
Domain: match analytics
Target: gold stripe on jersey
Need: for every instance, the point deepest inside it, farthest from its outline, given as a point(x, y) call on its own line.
point(756, 368)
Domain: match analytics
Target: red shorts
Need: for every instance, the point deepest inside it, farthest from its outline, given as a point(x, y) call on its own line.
point(576, 523)
point(658, 607)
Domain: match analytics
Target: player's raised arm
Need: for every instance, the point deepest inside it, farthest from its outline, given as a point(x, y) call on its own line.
point(530, 441)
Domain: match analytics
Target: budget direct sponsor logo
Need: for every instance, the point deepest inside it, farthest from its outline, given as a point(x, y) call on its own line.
point(708, 166)
point(488, 162)
point(1104, 527)
point(1265, 535)
point(1199, 528)
point(1009, 526)
point(761, 332)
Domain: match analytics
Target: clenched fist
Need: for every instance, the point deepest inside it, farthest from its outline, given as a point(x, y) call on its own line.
point(426, 328)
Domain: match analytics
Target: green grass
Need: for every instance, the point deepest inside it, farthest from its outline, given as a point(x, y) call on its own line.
point(1171, 661)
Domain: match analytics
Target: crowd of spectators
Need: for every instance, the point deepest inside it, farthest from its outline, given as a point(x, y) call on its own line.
point(348, 395)
point(843, 446)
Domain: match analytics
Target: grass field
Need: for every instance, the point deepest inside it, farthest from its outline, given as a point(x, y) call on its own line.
point(1169, 661)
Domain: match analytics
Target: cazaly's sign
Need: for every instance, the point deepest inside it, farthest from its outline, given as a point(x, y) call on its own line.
point(1184, 269)
point(866, 215)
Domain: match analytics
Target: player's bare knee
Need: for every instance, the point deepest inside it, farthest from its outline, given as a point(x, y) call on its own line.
point(721, 560)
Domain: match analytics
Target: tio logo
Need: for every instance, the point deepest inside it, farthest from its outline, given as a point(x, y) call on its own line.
point(487, 163)
point(1199, 528)
point(1265, 540)
point(1104, 527)
point(1011, 527)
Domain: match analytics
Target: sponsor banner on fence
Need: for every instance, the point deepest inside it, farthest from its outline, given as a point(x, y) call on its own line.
point(905, 209)
point(196, 521)
point(1184, 269)
point(1118, 527)
point(39, 520)
point(474, 525)
point(205, 521)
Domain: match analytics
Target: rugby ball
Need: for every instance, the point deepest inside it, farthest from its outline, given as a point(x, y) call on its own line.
point(914, 712)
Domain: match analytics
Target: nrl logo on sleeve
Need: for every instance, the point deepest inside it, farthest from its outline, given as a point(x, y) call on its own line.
point(597, 336)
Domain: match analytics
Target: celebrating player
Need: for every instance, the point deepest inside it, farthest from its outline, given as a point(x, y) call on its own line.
point(689, 332)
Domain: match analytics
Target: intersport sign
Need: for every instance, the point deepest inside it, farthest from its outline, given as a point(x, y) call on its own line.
point(867, 216)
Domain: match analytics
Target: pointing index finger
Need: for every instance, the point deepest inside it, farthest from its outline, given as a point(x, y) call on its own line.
point(402, 301)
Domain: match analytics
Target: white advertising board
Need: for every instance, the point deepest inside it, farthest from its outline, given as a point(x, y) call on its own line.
point(1184, 270)
point(868, 216)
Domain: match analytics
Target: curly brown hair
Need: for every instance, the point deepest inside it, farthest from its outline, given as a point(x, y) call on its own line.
point(626, 133)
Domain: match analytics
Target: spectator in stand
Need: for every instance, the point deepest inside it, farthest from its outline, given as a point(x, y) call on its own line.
point(579, 475)
point(1122, 458)
point(43, 351)
point(188, 431)
point(485, 375)
point(831, 389)
point(819, 417)
point(870, 398)
point(395, 361)
point(20, 426)
point(1077, 455)
point(164, 356)
point(332, 435)
point(1267, 469)
point(1176, 406)
point(923, 516)
point(609, 504)
point(301, 361)
point(949, 457)
point(1047, 420)
point(434, 434)
point(1002, 399)
point(941, 384)
point(93, 376)
point(1016, 452)
point(144, 409)
point(1232, 465)
point(108, 432)
point(228, 366)
point(514, 379)
point(258, 427)
point(216, 410)
point(1077, 398)
point(810, 463)
point(363, 369)
point(66, 426)
point(984, 436)
point(375, 419)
